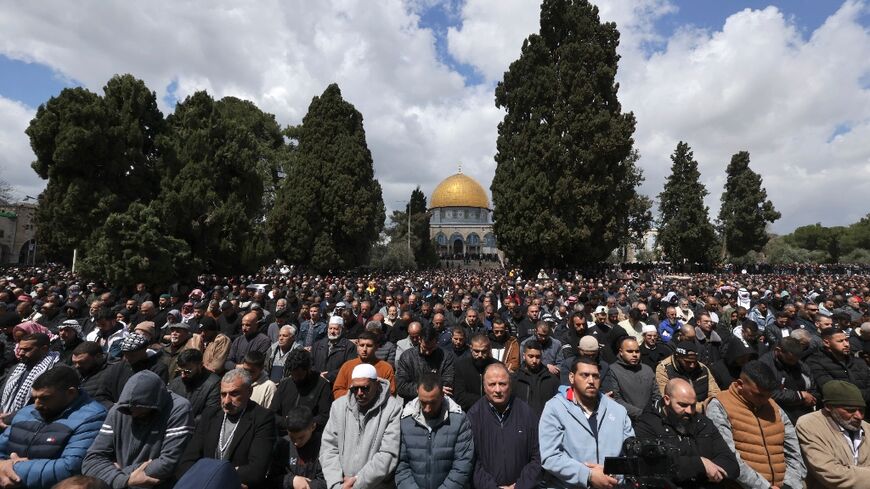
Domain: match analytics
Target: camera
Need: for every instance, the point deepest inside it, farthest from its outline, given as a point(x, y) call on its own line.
point(646, 463)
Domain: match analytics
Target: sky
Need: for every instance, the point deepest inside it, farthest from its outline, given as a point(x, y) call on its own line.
point(787, 81)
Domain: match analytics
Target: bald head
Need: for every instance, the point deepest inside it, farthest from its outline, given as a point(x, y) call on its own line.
point(679, 399)
point(675, 386)
point(415, 328)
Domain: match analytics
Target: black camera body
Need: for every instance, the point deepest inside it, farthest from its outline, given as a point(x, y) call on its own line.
point(646, 463)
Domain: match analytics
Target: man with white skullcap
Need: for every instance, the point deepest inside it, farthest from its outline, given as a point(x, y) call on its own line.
point(330, 353)
point(651, 350)
point(360, 444)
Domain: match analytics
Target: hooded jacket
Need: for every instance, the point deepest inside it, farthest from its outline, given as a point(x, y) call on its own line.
point(129, 442)
point(436, 456)
point(117, 376)
point(633, 386)
point(362, 445)
point(55, 449)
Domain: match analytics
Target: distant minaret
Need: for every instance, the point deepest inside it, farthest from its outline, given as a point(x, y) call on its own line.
point(460, 167)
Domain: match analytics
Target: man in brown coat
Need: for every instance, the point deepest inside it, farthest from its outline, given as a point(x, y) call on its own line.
point(833, 439)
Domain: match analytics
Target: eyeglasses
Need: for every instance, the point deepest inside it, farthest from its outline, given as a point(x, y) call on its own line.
point(356, 389)
point(183, 371)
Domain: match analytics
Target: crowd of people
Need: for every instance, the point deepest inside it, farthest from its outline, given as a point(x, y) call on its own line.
point(440, 379)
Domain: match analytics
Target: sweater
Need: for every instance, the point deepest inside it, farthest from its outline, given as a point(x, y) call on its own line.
point(506, 445)
point(342, 380)
point(633, 386)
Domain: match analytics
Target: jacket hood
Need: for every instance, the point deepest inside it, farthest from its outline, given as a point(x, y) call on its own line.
point(737, 349)
point(413, 410)
point(144, 389)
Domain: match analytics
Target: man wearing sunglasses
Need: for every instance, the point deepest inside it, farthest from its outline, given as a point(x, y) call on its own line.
point(360, 444)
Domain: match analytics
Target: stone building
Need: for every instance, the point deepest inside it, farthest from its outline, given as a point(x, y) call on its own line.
point(461, 222)
point(18, 233)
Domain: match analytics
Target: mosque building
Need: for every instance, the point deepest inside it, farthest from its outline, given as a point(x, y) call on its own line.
point(461, 222)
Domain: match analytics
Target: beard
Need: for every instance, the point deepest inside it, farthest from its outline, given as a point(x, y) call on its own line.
point(680, 422)
point(846, 424)
point(333, 337)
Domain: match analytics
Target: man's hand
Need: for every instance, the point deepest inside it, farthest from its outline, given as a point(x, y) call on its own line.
point(714, 472)
point(8, 477)
point(553, 369)
point(348, 482)
point(3, 423)
point(808, 399)
point(598, 479)
point(448, 391)
point(609, 394)
point(512, 486)
point(139, 478)
point(300, 482)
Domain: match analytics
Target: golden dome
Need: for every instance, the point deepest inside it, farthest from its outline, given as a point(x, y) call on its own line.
point(459, 191)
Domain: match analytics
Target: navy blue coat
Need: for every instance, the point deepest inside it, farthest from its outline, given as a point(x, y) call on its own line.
point(507, 450)
point(55, 449)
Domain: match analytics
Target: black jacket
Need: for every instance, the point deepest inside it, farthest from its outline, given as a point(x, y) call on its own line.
point(652, 356)
point(791, 381)
point(250, 449)
point(826, 368)
point(313, 393)
point(702, 439)
point(117, 375)
point(330, 362)
point(94, 382)
point(535, 388)
point(468, 384)
point(290, 461)
point(507, 450)
point(412, 365)
point(203, 392)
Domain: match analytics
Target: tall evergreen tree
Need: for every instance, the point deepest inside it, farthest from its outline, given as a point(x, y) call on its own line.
point(745, 210)
point(329, 209)
point(565, 172)
point(213, 196)
point(685, 230)
point(98, 154)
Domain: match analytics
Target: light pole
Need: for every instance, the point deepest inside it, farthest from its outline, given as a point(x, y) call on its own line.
point(26, 198)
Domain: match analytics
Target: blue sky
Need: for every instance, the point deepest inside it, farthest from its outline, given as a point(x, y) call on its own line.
point(788, 81)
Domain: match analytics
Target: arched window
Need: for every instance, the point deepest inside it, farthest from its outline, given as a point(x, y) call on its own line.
point(473, 239)
point(441, 239)
point(489, 240)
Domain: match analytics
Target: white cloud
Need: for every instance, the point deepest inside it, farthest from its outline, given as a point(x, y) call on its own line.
point(756, 84)
point(15, 152)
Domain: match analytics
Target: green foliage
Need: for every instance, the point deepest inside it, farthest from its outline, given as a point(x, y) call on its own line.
point(821, 244)
point(329, 210)
point(818, 238)
point(565, 170)
point(98, 154)
point(421, 242)
point(780, 251)
point(685, 231)
point(392, 256)
point(130, 248)
point(214, 199)
point(745, 209)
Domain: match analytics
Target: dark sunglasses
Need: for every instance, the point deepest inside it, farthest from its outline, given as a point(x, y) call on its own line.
point(356, 389)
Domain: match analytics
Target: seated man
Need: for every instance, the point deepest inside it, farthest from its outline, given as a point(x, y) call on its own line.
point(833, 439)
point(704, 456)
point(240, 431)
point(263, 387)
point(143, 437)
point(297, 463)
point(684, 364)
point(35, 360)
point(48, 439)
point(579, 429)
point(758, 431)
point(302, 387)
point(196, 384)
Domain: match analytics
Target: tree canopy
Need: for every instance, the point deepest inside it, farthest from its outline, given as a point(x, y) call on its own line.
point(565, 171)
point(685, 230)
point(745, 210)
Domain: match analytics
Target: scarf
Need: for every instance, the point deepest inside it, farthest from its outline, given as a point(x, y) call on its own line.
point(16, 392)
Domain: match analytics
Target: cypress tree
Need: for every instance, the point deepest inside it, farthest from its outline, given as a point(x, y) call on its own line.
point(745, 210)
point(329, 210)
point(565, 173)
point(685, 231)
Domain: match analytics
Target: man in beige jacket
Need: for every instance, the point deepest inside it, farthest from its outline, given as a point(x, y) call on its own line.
point(833, 439)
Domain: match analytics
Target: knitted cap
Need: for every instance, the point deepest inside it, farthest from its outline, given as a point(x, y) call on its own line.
point(842, 393)
point(134, 342)
point(588, 343)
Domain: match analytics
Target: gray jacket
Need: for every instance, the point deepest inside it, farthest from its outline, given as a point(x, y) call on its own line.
point(362, 445)
point(634, 387)
point(795, 471)
point(439, 457)
point(160, 438)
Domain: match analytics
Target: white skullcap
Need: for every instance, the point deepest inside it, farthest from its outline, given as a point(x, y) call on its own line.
point(714, 317)
point(364, 371)
point(589, 343)
point(336, 320)
point(648, 328)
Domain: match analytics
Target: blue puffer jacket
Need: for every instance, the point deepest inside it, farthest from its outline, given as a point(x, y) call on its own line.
point(55, 449)
point(442, 457)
